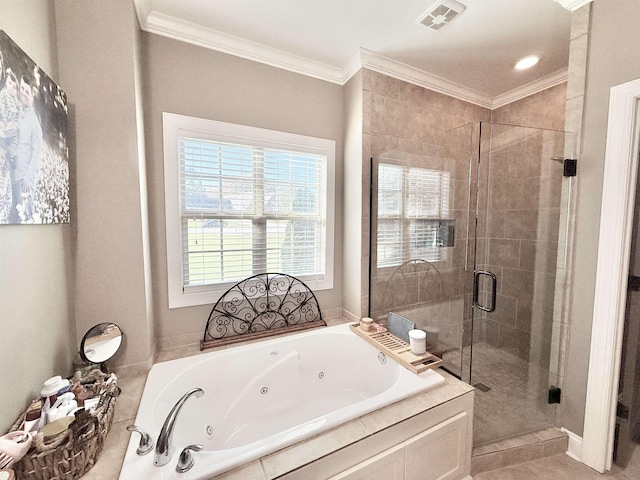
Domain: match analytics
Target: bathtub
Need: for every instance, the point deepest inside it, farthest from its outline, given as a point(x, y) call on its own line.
point(265, 396)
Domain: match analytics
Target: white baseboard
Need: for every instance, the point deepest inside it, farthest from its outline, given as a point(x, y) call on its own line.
point(575, 445)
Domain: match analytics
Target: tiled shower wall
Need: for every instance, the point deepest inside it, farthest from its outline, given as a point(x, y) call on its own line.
point(544, 109)
point(518, 237)
point(520, 227)
point(406, 117)
point(399, 115)
point(432, 293)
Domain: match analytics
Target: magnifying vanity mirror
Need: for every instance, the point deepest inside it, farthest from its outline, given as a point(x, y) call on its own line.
point(100, 343)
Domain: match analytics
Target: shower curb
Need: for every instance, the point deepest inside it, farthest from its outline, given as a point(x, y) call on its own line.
point(525, 448)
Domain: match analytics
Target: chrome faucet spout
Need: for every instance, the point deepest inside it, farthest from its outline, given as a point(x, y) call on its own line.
point(164, 447)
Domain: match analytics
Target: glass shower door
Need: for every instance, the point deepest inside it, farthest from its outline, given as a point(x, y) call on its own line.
point(522, 227)
point(468, 233)
point(421, 257)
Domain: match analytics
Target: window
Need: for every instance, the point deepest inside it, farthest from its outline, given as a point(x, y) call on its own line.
point(241, 201)
point(412, 205)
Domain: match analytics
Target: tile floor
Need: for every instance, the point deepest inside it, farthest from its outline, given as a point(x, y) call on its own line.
point(516, 402)
point(561, 467)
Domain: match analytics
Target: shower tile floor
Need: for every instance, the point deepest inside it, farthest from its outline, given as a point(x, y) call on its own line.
point(510, 397)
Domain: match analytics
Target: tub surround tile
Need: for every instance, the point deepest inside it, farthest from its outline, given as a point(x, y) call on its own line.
point(194, 348)
point(178, 352)
point(249, 471)
point(179, 341)
point(189, 344)
point(416, 404)
point(333, 315)
point(349, 317)
point(305, 452)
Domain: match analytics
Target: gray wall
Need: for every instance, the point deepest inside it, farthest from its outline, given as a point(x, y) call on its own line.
point(613, 59)
point(37, 332)
point(188, 80)
point(98, 53)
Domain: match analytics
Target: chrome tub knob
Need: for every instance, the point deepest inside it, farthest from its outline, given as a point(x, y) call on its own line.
point(186, 461)
point(146, 444)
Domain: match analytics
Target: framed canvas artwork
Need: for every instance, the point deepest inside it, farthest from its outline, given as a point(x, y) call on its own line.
point(34, 158)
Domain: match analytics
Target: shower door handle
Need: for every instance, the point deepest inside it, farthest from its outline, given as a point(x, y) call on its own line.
point(476, 286)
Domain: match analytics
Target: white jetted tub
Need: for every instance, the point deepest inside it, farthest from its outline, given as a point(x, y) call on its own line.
point(264, 396)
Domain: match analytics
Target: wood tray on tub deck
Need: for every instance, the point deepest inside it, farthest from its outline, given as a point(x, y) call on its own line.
point(397, 348)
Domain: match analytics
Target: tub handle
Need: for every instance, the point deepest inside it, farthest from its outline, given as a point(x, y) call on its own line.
point(146, 444)
point(186, 461)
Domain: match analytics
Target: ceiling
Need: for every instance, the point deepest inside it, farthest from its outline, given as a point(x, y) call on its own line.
point(471, 58)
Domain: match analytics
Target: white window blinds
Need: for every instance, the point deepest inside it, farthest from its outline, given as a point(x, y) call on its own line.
point(251, 201)
point(411, 203)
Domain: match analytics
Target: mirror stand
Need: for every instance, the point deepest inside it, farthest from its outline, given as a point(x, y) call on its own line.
point(98, 345)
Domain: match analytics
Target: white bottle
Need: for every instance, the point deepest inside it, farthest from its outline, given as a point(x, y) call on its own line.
point(62, 407)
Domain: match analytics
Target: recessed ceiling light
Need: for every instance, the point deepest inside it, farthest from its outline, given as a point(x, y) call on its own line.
point(527, 62)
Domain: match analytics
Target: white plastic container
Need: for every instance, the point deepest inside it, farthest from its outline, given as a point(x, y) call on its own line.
point(53, 386)
point(418, 342)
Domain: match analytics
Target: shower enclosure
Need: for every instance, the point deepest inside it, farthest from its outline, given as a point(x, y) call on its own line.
point(466, 237)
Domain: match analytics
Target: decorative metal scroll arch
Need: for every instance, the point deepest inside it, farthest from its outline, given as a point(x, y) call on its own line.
point(259, 306)
point(400, 276)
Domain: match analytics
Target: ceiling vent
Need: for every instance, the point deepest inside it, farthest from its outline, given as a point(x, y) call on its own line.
point(441, 13)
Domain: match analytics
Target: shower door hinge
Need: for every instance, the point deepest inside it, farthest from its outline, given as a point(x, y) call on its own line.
point(622, 411)
point(634, 283)
point(554, 395)
point(570, 167)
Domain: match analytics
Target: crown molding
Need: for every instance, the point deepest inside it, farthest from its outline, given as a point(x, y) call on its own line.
point(539, 85)
point(407, 73)
point(353, 66)
point(172, 27)
point(194, 34)
point(573, 5)
point(143, 9)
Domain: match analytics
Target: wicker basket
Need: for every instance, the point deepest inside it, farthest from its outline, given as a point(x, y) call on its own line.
point(73, 452)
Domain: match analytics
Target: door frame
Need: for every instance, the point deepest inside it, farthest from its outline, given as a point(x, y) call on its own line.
point(614, 246)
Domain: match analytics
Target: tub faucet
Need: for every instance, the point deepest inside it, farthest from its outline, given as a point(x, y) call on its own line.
point(163, 445)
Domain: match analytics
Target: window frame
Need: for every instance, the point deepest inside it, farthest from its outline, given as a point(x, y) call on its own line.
point(406, 219)
point(174, 126)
